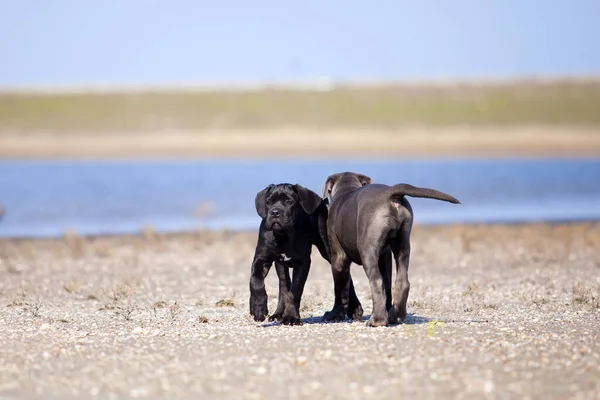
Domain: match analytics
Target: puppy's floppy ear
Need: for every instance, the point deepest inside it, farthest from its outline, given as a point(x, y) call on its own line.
point(309, 200)
point(328, 185)
point(364, 179)
point(259, 201)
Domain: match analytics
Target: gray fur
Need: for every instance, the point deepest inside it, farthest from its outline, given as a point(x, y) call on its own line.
point(367, 224)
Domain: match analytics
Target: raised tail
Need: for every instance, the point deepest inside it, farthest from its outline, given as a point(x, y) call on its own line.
point(404, 189)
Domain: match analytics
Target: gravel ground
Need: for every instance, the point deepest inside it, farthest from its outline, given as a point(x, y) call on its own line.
point(495, 312)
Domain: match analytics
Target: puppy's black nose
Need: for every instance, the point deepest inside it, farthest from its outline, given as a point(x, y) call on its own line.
point(276, 213)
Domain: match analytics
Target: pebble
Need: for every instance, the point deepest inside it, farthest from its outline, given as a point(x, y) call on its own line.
point(315, 385)
point(138, 392)
point(368, 389)
point(301, 361)
point(488, 386)
point(261, 370)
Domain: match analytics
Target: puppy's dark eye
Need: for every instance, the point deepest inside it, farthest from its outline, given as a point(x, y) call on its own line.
point(269, 203)
point(289, 202)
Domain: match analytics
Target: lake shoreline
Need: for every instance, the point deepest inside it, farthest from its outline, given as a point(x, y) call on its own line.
point(149, 236)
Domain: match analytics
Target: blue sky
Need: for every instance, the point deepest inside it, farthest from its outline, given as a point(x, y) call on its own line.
point(112, 42)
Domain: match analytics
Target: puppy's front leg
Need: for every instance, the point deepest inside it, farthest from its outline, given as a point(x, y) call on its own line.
point(284, 288)
point(258, 293)
point(290, 314)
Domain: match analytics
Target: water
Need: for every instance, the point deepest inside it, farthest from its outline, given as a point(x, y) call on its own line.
point(47, 198)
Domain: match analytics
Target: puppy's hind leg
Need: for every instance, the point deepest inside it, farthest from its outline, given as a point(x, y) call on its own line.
point(340, 268)
point(379, 315)
point(385, 268)
point(299, 278)
point(401, 250)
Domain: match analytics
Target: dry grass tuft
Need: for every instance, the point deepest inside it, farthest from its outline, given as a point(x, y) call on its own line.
point(311, 304)
point(27, 304)
point(72, 286)
point(585, 295)
point(119, 301)
point(159, 304)
point(149, 233)
point(74, 242)
point(472, 289)
point(540, 300)
point(174, 310)
point(467, 240)
point(126, 311)
point(102, 251)
point(225, 303)
point(120, 291)
point(11, 267)
point(536, 299)
point(420, 299)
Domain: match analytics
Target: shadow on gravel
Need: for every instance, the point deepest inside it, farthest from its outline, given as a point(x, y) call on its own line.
point(411, 319)
point(464, 321)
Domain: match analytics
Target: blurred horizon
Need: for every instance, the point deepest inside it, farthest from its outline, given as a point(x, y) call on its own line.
point(147, 44)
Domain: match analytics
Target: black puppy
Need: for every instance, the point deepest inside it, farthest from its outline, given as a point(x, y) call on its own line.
point(293, 219)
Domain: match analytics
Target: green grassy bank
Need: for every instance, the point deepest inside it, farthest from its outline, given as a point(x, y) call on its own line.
point(522, 103)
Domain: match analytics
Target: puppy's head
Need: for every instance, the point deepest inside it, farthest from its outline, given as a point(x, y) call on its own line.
point(343, 180)
point(279, 205)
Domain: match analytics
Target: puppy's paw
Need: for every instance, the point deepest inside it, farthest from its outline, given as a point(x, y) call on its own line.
point(259, 316)
point(276, 317)
point(356, 314)
point(396, 317)
point(291, 320)
point(337, 314)
point(258, 309)
point(375, 321)
point(402, 315)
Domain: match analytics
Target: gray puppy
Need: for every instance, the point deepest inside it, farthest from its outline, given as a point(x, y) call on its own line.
point(367, 224)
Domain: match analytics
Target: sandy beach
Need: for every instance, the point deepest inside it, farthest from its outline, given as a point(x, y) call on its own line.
point(527, 141)
point(495, 312)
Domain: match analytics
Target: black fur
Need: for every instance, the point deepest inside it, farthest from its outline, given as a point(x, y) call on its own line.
point(293, 219)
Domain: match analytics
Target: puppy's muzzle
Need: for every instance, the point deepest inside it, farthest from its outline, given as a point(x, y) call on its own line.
point(277, 220)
